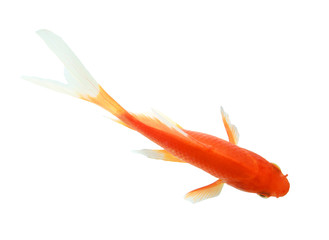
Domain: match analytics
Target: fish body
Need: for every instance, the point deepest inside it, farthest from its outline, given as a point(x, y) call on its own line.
point(231, 164)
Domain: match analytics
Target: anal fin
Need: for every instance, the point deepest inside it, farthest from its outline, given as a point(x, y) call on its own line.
point(203, 193)
point(159, 154)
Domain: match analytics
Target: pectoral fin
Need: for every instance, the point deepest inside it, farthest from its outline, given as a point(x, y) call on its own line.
point(232, 131)
point(159, 154)
point(205, 192)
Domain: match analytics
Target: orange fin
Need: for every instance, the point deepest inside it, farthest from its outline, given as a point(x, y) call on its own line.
point(157, 120)
point(231, 130)
point(203, 193)
point(159, 154)
point(168, 122)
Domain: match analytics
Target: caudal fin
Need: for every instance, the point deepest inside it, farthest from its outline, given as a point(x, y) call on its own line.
point(80, 83)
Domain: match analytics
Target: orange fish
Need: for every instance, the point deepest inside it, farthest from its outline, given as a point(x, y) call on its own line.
point(233, 165)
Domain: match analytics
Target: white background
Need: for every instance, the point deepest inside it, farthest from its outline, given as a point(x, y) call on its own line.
point(67, 171)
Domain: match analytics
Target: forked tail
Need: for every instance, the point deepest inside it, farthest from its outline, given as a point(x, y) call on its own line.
point(80, 83)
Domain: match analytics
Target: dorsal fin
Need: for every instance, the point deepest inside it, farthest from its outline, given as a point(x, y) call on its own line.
point(168, 122)
point(159, 121)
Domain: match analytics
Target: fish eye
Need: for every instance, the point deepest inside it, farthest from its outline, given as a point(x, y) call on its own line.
point(276, 166)
point(263, 195)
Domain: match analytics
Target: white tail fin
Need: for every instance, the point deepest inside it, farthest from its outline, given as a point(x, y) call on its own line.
point(80, 83)
point(52, 84)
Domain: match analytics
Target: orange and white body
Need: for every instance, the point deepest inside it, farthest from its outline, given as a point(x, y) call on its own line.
point(231, 164)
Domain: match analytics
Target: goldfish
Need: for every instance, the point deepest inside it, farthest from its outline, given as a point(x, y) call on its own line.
point(225, 160)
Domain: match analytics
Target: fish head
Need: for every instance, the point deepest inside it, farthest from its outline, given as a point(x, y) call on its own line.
point(279, 184)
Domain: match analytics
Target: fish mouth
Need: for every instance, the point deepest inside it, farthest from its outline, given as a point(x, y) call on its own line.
point(285, 186)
